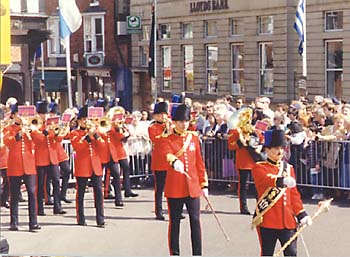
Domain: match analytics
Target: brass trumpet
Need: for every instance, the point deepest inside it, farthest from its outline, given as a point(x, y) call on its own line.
point(104, 125)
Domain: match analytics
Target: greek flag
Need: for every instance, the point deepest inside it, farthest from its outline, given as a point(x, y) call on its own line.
point(299, 25)
point(70, 18)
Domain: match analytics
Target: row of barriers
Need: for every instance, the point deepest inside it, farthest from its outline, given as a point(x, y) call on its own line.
point(318, 164)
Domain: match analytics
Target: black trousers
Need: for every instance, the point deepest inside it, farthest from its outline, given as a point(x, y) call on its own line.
point(52, 172)
point(65, 170)
point(159, 183)
point(4, 187)
point(15, 187)
point(113, 167)
point(124, 164)
point(243, 176)
point(175, 206)
point(98, 197)
point(268, 238)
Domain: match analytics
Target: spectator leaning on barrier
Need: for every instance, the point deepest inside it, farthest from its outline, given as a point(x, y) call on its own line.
point(279, 202)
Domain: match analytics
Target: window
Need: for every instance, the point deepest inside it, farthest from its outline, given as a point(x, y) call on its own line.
point(211, 29)
point(237, 69)
point(93, 34)
point(266, 68)
point(188, 73)
point(212, 68)
point(333, 21)
point(146, 32)
point(54, 47)
point(166, 67)
point(144, 55)
point(334, 68)
point(164, 31)
point(25, 6)
point(236, 27)
point(265, 24)
point(187, 30)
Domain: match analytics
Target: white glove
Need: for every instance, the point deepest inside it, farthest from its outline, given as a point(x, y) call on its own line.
point(289, 182)
point(306, 221)
point(179, 166)
point(205, 192)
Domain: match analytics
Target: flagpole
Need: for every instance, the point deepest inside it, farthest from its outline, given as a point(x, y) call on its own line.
point(155, 51)
point(69, 75)
point(304, 47)
point(42, 62)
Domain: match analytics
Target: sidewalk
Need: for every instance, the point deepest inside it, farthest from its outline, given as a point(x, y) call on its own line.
point(133, 231)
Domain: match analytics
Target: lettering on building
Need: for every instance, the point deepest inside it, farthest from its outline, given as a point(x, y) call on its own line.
point(205, 6)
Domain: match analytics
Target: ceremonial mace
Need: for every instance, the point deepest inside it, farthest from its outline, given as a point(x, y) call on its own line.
point(217, 218)
point(323, 206)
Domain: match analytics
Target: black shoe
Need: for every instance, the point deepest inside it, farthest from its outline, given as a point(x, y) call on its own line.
point(130, 194)
point(34, 228)
point(21, 199)
point(182, 217)
point(60, 212)
point(6, 205)
point(101, 225)
point(82, 223)
point(160, 216)
point(119, 204)
point(65, 200)
point(245, 212)
point(13, 227)
point(41, 213)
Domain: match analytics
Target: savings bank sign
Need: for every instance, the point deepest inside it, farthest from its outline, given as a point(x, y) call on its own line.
point(204, 6)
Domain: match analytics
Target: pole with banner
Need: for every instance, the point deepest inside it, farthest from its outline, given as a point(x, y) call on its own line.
point(152, 64)
point(70, 21)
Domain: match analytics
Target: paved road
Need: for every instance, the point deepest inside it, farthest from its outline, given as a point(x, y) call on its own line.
point(134, 231)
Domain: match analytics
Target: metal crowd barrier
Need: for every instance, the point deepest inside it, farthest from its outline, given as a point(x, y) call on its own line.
point(333, 159)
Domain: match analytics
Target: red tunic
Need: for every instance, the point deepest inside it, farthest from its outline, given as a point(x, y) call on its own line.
point(45, 148)
point(155, 132)
point(87, 160)
point(282, 214)
point(21, 153)
point(177, 185)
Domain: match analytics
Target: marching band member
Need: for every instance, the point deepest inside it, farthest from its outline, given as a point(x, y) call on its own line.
point(46, 160)
point(279, 200)
point(186, 180)
point(87, 163)
point(21, 167)
point(157, 130)
point(109, 158)
point(238, 140)
point(62, 155)
point(117, 136)
point(4, 187)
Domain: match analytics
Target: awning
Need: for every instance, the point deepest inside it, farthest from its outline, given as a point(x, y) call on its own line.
point(55, 81)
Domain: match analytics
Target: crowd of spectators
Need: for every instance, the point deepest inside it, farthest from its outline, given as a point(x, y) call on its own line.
point(317, 132)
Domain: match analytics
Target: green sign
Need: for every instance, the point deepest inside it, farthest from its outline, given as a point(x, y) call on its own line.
point(133, 22)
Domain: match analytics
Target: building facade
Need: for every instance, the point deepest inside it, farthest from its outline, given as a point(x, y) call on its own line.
point(28, 31)
point(212, 48)
point(99, 55)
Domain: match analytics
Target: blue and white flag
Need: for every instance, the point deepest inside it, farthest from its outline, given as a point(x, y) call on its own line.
point(70, 19)
point(299, 25)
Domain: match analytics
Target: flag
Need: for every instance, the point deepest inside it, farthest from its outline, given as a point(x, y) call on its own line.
point(70, 19)
point(151, 61)
point(299, 25)
point(5, 33)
